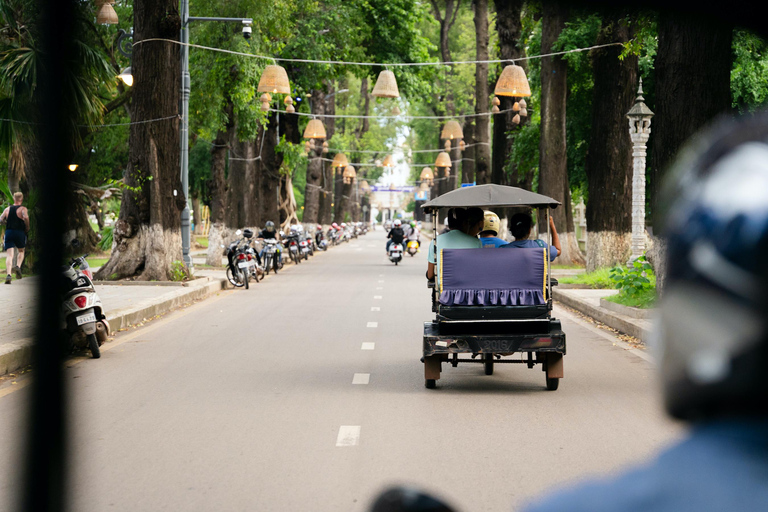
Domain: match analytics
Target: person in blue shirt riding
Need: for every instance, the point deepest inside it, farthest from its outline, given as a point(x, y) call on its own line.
point(491, 227)
point(520, 225)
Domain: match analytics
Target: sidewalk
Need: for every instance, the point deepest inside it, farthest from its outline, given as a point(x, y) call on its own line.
point(587, 301)
point(125, 304)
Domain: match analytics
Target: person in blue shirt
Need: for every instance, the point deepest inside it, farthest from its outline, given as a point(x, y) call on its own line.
point(491, 226)
point(711, 336)
point(520, 226)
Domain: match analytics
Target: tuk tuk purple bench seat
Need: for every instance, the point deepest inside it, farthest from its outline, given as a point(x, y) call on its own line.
point(493, 277)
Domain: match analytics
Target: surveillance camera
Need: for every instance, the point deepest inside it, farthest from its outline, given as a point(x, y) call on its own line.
point(247, 29)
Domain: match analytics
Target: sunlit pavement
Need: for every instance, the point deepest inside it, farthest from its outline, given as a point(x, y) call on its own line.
point(306, 393)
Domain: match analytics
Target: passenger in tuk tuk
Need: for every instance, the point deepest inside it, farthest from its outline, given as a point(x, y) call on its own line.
point(520, 225)
point(489, 235)
point(465, 225)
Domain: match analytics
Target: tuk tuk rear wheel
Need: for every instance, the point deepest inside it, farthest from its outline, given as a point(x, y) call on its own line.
point(552, 383)
point(430, 383)
point(488, 364)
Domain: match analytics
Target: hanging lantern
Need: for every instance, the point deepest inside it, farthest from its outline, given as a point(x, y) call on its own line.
point(274, 79)
point(265, 98)
point(307, 146)
point(106, 14)
point(447, 145)
point(512, 82)
point(386, 85)
point(387, 161)
point(523, 112)
point(443, 160)
point(349, 174)
point(495, 110)
point(340, 160)
point(462, 145)
point(447, 172)
point(516, 107)
point(516, 119)
point(496, 103)
point(314, 130)
point(522, 102)
point(325, 147)
point(289, 108)
point(452, 130)
point(426, 176)
point(264, 106)
point(396, 111)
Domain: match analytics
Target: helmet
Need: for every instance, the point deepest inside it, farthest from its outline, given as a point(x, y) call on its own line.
point(319, 227)
point(413, 223)
point(713, 327)
point(492, 222)
point(397, 223)
point(335, 226)
point(343, 224)
point(270, 226)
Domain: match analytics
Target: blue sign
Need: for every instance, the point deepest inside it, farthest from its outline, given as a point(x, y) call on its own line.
point(468, 184)
point(387, 188)
point(421, 195)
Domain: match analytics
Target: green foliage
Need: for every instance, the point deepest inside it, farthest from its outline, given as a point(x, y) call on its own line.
point(105, 244)
point(633, 281)
point(749, 75)
point(179, 271)
point(643, 300)
point(600, 278)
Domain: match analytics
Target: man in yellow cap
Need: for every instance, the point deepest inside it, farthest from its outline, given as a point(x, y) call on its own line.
point(491, 227)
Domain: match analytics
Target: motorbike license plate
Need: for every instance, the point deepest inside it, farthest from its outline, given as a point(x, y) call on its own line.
point(244, 264)
point(86, 319)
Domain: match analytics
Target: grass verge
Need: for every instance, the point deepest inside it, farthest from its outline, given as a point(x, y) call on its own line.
point(644, 300)
point(597, 279)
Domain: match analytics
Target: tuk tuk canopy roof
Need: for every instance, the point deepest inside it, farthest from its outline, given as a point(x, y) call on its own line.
point(490, 196)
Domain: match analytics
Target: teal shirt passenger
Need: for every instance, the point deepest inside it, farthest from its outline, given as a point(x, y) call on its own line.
point(453, 239)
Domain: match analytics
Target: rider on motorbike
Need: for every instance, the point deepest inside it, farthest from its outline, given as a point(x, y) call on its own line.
point(268, 232)
point(413, 233)
point(395, 235)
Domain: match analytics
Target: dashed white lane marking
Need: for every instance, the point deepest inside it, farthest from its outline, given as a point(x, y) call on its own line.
point(379, 287)
point(349, 435)
point(381, 275)
point(368, 345)
point(361, 378)
point(377, 297)
point(381, 281)
point(359, 249)
point(372, 324)
point(374, 308)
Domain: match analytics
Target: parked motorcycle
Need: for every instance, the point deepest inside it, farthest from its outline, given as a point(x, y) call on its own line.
point(395, 253)
point(270, 261)
point(242, 260)
point(82, 313)
point(320, 241)
point(291, 243)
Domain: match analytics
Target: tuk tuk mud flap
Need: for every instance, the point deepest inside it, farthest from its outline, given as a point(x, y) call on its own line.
point(434, 343)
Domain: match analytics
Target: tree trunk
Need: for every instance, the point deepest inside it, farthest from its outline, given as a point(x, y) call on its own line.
point(609, 157)
point(250, 191)
point(553, 169)
point(693, 73)
point(219, 153)
point(468, 158)
point(197, 214)
point(314, 167)
point(509, 29)
point(482, 122)
point(237, 183)
point(269, 171)
point(148, 232)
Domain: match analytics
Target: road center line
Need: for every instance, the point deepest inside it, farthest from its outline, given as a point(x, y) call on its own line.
point(374, 308)
point(361, 378)
point(372, 324)
point(379, 287)
point(368, 345)
point(377, 297)
point(381, 281)
point(349, 435)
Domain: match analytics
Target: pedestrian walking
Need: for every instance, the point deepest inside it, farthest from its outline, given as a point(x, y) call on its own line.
point(16, 220)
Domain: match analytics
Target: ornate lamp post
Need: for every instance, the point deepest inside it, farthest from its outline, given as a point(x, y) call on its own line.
point(639, 130)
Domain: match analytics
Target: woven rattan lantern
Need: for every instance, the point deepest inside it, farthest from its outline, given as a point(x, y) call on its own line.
point(325, 147)
point(426, 176)
point(512, 82)
point(340, 160)
point(289, 108)
point(396, 111)
point(364, 186)
point(523, 109)
point(387, 161)
point(314, 130)
point(516, 107)
point(516, 119)
point(274, 79)
point(452, 130)
point(265, 99)
point(106, 14)
point(462, 145)
point(443, 160)
point(496, 103)
point(447, 145)
point(386, 85)
point(349, 174)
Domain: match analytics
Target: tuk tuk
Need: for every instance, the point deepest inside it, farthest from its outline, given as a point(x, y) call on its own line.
point(491, 304)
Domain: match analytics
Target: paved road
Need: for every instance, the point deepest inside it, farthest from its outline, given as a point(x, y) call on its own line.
point(306, 393)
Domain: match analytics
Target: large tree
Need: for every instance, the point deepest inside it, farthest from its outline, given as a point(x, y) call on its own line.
point(148, 231)
point(482, 122)
point(609, 157)
point(553, 168)
point(693, 72)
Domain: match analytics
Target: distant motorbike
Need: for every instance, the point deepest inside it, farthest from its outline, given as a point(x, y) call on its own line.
point(270, 261)
point(291, 243)
point(412, 247)
point(82, 313)
point(396, 253)
point(320, 240)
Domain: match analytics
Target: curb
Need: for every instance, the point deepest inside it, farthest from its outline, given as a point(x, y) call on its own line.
point(610, 318)
point(19, 354)
point(643, 314)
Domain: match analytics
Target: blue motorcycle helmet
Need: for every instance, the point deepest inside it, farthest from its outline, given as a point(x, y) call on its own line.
point(712, 336)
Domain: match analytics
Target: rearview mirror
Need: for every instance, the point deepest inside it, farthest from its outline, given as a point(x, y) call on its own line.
point(238, 232)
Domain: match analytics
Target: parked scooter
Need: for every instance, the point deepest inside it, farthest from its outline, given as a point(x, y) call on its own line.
point(291, 243)
point(242, 261)
point(270, 261)
point(320, 240)
point(395, 253)
point(82, 313)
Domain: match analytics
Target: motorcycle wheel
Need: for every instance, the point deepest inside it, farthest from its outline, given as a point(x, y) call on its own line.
point(232, 277)
point(276, 265)
point(267, 264)
point(245, 273)
point(93, 344)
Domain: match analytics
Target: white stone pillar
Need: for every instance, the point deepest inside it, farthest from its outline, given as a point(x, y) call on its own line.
point(639, 131)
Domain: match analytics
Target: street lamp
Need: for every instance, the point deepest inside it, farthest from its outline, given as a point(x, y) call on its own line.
point(185, 91)
point(639, 130)
point(125, 46)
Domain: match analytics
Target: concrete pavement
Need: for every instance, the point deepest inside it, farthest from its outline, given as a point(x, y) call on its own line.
point(306, 393)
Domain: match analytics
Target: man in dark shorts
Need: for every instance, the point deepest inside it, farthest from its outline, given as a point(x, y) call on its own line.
point(16, 219)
